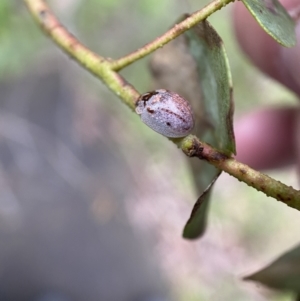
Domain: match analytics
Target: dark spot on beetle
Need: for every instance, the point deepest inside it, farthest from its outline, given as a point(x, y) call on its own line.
point(145, 97)
point(174, 114)
point(279, 197)
point(288, 199)
point(150, 111)
point(263, 188)
point(179, 107)
point(168, 123)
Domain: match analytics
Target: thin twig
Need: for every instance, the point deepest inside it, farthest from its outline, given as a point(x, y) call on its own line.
point(92, 62)
point(171, 34)
point(261, 182)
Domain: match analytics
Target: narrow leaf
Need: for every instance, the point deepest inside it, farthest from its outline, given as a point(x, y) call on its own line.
point(274, 19)
point(196, 224)
point(207, 48)
point(283, 273)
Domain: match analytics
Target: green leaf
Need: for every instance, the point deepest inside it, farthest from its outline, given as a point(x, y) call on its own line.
point(274, 19)
point(207, 48)
point(195, 66)
point(196, 224)
point(284, 273)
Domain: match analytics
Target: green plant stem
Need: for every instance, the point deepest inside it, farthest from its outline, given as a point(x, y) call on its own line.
point(104, 69)
point(192, 147)
point(92, 62)
point(171, 34)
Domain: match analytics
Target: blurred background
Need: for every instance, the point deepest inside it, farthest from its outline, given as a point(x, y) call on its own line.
point(92, 206)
